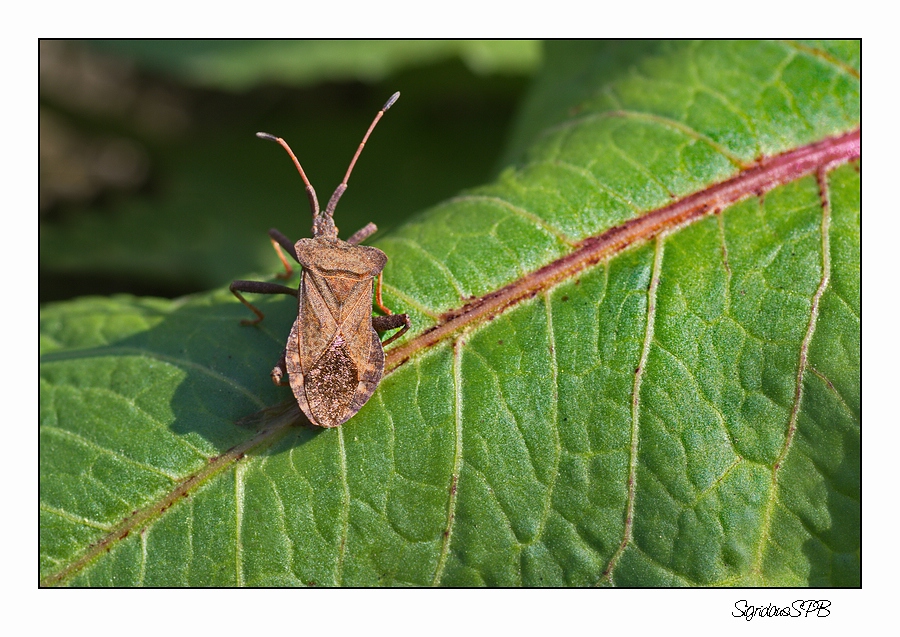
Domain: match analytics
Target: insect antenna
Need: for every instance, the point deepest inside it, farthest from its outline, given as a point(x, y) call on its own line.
point(310, 191)
point(332, 203)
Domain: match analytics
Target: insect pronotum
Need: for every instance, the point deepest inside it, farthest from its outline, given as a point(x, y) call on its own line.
point(334, 358)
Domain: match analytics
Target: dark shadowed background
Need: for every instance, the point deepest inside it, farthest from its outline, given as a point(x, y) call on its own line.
point(153, 183)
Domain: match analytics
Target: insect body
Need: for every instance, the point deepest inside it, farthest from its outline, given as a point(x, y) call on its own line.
point(334, 357)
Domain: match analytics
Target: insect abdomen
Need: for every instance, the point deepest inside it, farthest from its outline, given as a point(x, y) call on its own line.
point(331, 383)
point(337, 384)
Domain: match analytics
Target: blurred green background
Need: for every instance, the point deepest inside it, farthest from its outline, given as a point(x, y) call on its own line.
point(153, 183)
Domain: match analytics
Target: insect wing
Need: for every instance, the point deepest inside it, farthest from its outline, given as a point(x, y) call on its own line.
point(334, 356)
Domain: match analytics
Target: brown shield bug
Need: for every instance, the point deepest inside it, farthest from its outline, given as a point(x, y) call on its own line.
point(334, 357)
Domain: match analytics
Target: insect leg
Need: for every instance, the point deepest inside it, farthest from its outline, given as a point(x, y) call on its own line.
point(280, 371)
point(378, 301)
point(280, 241)
point(257, 287)
point(391, 322)
point(360, 235)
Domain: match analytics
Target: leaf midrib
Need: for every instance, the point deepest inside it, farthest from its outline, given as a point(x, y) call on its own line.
point(141, 517)
point(762, 177)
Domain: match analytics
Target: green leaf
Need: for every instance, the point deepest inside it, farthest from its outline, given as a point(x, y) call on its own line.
point(635, 360)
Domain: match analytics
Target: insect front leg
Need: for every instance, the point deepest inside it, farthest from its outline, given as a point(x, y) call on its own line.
point(257, 287)
point(280, 241)
point(362, 234)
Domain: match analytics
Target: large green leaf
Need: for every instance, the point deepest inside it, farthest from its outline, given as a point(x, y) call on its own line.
point(634, 361)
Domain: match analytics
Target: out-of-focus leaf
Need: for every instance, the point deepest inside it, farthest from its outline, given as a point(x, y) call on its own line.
point(215, 189)
point(241, 64)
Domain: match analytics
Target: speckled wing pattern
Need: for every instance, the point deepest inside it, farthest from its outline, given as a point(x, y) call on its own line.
point(334, 357)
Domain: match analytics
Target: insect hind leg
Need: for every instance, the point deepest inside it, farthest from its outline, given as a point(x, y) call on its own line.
point(391, 322)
